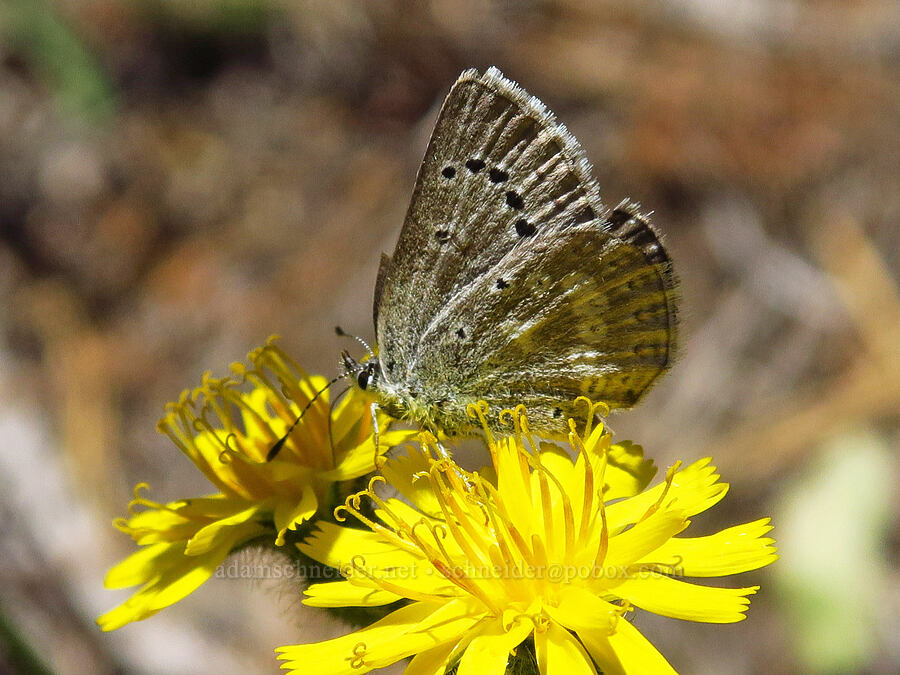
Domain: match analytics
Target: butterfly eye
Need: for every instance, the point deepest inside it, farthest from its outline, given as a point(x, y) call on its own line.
point(366, 378)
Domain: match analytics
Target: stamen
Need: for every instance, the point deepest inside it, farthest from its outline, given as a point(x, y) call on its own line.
point(511, 414)
point(137, 489)
point(546, 503)
point(240, 370)
point(471, 588)
point(339, 511)
point(486, 513)
point(138, 500)
point(439, 540)
point(506, 532)
point(508, 415)
point(438, 533)
point(506, 537)
point(379, 502)
point(200, 424)
point(359, 653)
point(670, 476)
point(541, 622)
point(587, 504)
point(352, 506)
point(526, 427)
point(121, 524)
point(603, 548)
point(541, 558)
point(546, 506)
point(479, 411)
point(588, 417)
point(598, 409)
point(458, 520)
point(514, 619)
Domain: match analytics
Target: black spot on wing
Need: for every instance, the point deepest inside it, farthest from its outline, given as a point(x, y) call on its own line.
point(631, 227)
point(524, 228)
point(585, 215)
point(448, 172)
point(497, 176)
point(475, 165)
point(514, 200)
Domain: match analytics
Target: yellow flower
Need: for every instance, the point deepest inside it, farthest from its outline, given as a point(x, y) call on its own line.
point(182, 545)
point(229, 434)
point(555, 550)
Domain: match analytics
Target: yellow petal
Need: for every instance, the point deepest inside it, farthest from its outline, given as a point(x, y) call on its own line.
point(488, 653)
point(360, 459)
point(224, 531)
point(642, 539)
point(660, 594)
point(341, 655)
point(211, 506)
point(160, 525)
point(557, 461)
point(559, 652)
point(415, 628)
point(179, 520)
point(514, 486)
point(144, 565)
point(445, 625)
point(404, 472)
point(694, 489)
point(432, 661)
point(171, 585)
point(578, 608)
point(338, 546)
point(737, 549)
point(288, 514)
point(347, 594)
point(627, 472)
point(364, 553)
point(626, 651)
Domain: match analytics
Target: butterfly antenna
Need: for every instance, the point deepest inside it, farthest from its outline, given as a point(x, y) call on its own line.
point(341, 332)
point(279, 444)
point(334, 403)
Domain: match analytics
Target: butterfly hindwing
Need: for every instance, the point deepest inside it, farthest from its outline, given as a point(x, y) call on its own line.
point(582, 314)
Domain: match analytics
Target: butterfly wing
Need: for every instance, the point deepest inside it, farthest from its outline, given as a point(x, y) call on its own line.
point(488, 134)
point(511, 281)
point(581, 313)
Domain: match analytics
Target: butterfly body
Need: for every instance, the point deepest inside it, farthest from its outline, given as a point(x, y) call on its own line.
point(511, 281)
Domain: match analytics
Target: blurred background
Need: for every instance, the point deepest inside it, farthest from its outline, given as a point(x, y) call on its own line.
point(180, 180)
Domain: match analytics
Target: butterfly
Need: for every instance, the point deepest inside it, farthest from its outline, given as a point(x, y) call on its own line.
point(511, 282)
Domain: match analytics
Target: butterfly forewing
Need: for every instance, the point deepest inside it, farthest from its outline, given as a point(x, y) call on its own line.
point(493, 148)
point(511, 282)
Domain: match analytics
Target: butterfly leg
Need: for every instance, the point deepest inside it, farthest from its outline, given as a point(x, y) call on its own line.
point(373, 410)
point(442, 452)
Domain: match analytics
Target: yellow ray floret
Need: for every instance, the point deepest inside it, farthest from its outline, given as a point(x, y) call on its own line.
point(540, 553)
point(227, 427)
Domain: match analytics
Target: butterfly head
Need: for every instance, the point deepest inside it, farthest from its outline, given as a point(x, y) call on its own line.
point(370, 378)
point(366, 373)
